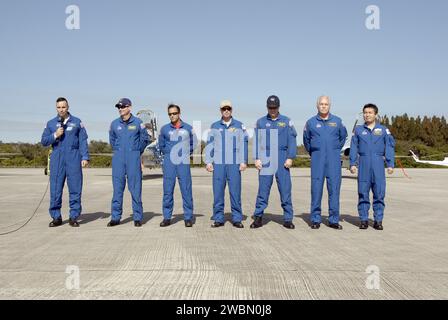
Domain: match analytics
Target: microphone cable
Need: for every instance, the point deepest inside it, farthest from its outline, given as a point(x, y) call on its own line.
point(31, 217)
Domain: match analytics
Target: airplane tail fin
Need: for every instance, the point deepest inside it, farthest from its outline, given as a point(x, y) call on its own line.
point(414, 156)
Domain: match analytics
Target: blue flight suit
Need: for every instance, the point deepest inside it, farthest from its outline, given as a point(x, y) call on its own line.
point(65, 162)
point(286, 148)
point(176, 146)
point(226, 167)
point(371, 149)
point(128, 140)
point(323, 140)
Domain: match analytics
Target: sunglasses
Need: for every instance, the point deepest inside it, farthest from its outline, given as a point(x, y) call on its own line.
point(273, 108)
point(173, 114)
point(226, 109)
point(120, 106)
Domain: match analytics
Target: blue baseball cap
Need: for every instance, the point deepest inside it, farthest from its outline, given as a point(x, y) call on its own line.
point(123, 102)
point(273, 101)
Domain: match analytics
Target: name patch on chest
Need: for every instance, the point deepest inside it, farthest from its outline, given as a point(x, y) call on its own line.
point(132, 127)
point(332, 124)
point(378, 131)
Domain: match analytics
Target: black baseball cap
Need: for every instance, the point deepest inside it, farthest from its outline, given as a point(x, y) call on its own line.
point(123, 102)
point(273, 101)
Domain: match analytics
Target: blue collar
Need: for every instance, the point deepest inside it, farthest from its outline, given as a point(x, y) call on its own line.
point(330, 117)
point(269, 117)
point(181, 125)
point(131, 119)
point(377, 125)
point(68, 118)
point(230, 124)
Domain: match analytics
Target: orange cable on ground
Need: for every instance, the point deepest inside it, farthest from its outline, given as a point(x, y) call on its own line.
point(402, 169)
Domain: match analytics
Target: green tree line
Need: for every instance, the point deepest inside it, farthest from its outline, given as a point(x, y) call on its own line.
point(35, 155)
point(427, 136)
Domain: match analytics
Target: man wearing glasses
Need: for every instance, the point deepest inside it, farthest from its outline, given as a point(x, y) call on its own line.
point(275, 148)
point(226, 157)
point(128, 138)
point(177, 142)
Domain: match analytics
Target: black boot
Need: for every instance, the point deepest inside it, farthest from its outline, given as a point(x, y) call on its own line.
point(364, 225)
point(217, 224)
point(165, 223)
point(258, 222)
point(336, 226)
point(137, 223)
point(378, 225)
point(73, 222)
point(315, 225)
point(238, 225)
point(113, 223)
point(55, 223)
point(289, 225)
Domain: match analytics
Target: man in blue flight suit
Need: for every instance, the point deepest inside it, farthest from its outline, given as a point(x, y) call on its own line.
point(371, 147)
point(274, 134)
point(128, 138)
point(324, 136)
point(68, 138)
point(176, 143)
point(226, 157)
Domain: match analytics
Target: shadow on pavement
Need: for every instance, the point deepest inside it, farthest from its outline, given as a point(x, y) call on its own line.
point(90, 217)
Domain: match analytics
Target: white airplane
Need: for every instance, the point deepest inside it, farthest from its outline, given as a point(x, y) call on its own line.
point(438, 163)
point(345, 152)
point(151, 157)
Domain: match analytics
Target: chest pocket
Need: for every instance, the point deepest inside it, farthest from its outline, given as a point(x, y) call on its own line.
point(133, 137)
point(283, 130)
point(316, 132)
point(379, 143)
point(72, 135)
point(333, 135)
point(119, 132)
point(366, 142)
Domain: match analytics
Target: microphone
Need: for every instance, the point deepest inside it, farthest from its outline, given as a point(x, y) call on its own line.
point(61, 124)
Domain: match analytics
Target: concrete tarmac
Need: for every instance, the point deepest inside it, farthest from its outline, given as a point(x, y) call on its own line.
point(407, 260)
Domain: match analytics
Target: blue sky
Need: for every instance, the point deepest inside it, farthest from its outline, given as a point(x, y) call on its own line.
point(198, 52)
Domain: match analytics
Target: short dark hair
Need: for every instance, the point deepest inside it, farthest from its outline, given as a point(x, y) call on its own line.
point(172, 105)
point(60, 99)
point(370, 106)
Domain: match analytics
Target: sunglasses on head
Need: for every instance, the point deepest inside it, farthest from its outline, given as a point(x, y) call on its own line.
point(226, 109)
point(173, 114)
